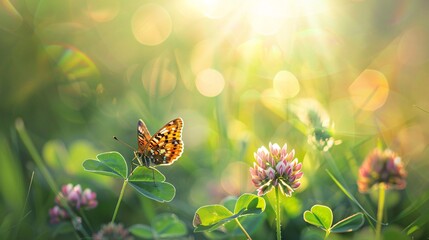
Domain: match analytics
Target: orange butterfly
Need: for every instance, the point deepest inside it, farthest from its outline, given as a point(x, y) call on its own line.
point(163, 148)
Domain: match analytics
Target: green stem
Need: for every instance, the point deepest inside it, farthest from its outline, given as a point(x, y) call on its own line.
point(381, 197)
point(85, 219)
point(119, 200)
point(242, 229)
point(278, 226)
point(25, 205)
point(22, 132)
point(326, 234)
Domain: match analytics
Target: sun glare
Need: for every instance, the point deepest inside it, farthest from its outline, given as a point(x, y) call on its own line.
point(214, 9)
point(266, 16)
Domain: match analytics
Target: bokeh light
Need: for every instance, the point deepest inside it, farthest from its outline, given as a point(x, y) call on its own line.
point(103, 10)
point(369, 91)
point(286, 84)
point(202, 56)
point(75, 64)
point(210, 82)
point(251, 49)
point(81, 75)
point(151, 24)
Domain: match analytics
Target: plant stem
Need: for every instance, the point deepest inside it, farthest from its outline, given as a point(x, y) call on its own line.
point(242, 229)
point(25, 205)
point(85, 219)
point(28, 143)
point(119, 201)
point(278, 227)
point(326, 234)
point(381, 197)
point(22, 132)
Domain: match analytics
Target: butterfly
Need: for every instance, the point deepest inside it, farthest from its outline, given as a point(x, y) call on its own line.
point(163, 148)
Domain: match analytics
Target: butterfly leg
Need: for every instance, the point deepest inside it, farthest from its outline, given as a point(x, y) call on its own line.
point(153, 176)
point(133, 168)
point(133, 163)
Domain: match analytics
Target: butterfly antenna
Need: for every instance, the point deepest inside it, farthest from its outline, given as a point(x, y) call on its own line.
point(124, 143)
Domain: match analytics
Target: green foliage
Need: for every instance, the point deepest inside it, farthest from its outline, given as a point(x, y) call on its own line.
point(67, 159)
point(11, 182)
point(321, 216)
point(394, 232)
point(158, 191)
point(63, 228)
point(349, 195)
point(349, 224)
point(162, 226)
point(211, 217)
point(109, 164)
point(149, 182)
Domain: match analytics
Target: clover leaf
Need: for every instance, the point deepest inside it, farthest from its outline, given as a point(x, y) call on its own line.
point(321, 216)
point(147, 181)
point(211, 217)
point(162, 226)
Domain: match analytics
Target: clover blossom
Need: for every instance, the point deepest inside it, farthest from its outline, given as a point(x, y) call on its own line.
point(320, 131)
point(112, 231)
point(57, 215)
point(276, 167)
point(75, 199)
point(382, 167)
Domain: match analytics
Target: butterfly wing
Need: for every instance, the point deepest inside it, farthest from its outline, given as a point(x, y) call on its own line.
point(165, 146)
point(143, 136)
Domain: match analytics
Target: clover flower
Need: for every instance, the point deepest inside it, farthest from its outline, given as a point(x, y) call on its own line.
point(89, 199)
point(276, 167)
point(320, 131)
point(320, 128)
point(112, 231)
point(75, 199)
point(382, 167)
point(57, 215)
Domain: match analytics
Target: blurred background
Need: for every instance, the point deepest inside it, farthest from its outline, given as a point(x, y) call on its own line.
point(241, 74)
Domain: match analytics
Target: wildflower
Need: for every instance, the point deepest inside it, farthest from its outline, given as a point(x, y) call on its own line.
point(89, 199)
point(75, 198)
point(319, 125)
point(57, 214)
point(320, 131)
point(112, 231)
point(276, 167)
point(382, 167)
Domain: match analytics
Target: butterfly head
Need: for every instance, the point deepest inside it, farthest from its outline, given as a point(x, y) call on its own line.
point(143, 161)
